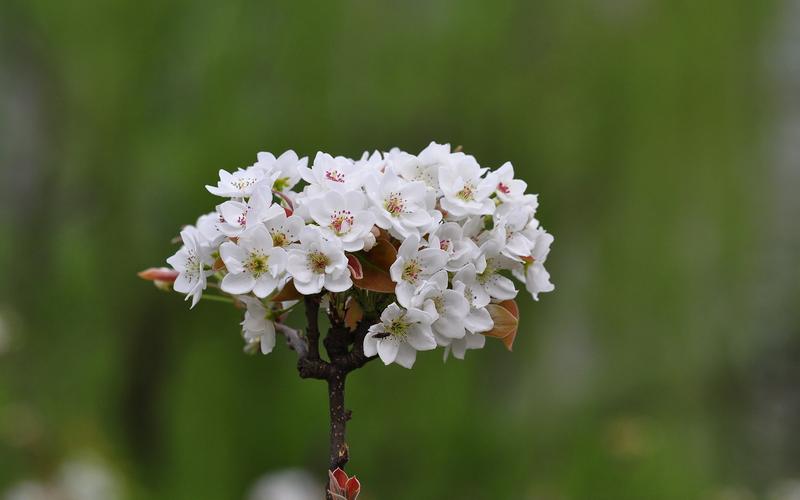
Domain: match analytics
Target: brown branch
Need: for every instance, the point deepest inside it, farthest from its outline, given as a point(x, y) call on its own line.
point(343, 360)
point(312, 321)
point(339, 453)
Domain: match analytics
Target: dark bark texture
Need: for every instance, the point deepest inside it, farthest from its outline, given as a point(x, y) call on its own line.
point(345, 350)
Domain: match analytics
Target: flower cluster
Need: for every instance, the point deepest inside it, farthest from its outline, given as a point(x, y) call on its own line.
point(425, 245)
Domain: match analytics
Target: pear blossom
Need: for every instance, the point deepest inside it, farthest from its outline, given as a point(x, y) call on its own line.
point(449, 307)
point(241, 183)
point(253, 263)
point(318, 263)
point(330, 173)
point(449, 237)
point(536, 277)
point(285, 230)
point(475, 292)
point(487, 271)
point(210, 234)
point(459, 347)
point(371, 162)
point(400, 207)
point(399, 335)
point(236, 216)
point(465, 191)
point(507, 188)
point(344, 216)
point(190, 262)
point(414, 266)
point(423, 168)
point(477, 319)
point(285, 168)
point(257, 327)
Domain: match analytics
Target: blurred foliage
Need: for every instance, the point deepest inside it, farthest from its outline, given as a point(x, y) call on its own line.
point(640, 122)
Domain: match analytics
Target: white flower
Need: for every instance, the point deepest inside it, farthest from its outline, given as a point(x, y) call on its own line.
point(210, 234)
point(236, 216)
point(474, 292)
point(425, 166)
point(371, 161)
point(465, 191)
point(257, 327)
point(331, 174)
point(253, 263)
point(285, 230)
point(190, 262)
point(343, 216)
point(399, 206)
point(241, 183)
point(286, 168)
point(449, 307)
point(515, 228)
point(449, 237)
point(484, 272)
point(399, 335)
point(506, 187)
point(318, 263)
point(478, 319)
point(413, 266)
point(459, 347)
point(536, 277)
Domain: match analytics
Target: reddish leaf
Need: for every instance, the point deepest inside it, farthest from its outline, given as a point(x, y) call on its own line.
point(355, 267)
point(376, 268)
point(289, 292)
point(341, 477)
point(353, 315)
point(353, 488)
point(218, 264)
point(375, 280)
point(159, 274)
point(505, 320)
point(382, 255)
point(512, 307)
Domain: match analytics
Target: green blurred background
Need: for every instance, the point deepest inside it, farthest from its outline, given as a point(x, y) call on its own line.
point(662, 136)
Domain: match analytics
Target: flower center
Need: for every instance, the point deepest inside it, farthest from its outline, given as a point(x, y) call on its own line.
point(242, 219)
point(503, 188)
point(395, 204)
point(444, 245)
point(398, 328)
point(467, 193)
point(341, 221)
point(257, 263)
point(424, 173)
point(318, 261)
point(192, 269)
point(438, 302)
point(243, 182)
point(411, 271)
point(281, 184)
point(487, 273)
point(279, 239)
point(334, 175)
point(469, 296)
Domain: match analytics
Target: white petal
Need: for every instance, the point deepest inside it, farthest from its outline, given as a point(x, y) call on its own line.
point(405, 356)
point(237, 283)
point(387, 350)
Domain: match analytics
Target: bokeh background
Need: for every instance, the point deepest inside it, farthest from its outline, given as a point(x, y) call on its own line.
point(662, 135)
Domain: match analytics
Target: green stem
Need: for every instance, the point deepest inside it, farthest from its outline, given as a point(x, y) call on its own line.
point(218, 298)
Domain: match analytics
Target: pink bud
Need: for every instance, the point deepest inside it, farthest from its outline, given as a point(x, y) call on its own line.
point(355, 267)
point(159, 274)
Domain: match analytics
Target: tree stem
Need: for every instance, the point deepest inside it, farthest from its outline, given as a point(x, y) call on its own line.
point(339, 453)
